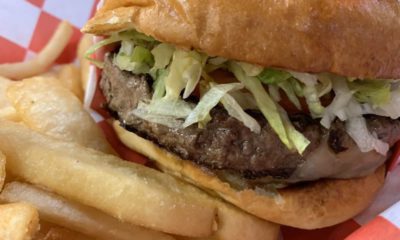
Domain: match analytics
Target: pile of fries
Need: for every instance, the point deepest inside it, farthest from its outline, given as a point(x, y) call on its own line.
point(60, 179)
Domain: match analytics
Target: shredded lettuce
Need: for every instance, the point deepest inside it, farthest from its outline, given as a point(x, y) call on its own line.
point(139, 61)
point(290, 93)
point(185, 72)
point(310, 92)
point(215, 63)
point(306, 78)
point(357, 128)
point(341, 100)
point(375, 92)
point(269, 109)
point(235, 110)
point(325, 85)
point(209, 101)
point(274, 92)
point(162, 55)
point(139, 39)
point(299, 141)
point(313, 102)
point(131, 35)
point(346, 108)
point(175, 82)
point(169, 84)
point(273, 76)
point(390, 109)
point(244, 99)
point(143, 112)
point(176, 108)
point(296, 86)
point(251, 70)
point(193, 73)
point(143, 55)
point(127, 47)
point(159, 84)
point(264, 101)
point(100, 44)
point(282, 79)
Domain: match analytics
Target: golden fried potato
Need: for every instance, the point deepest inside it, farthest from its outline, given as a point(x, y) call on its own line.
point(84, 45)
point(18, 221)
point(50, 231)
point(75, 216)
point(47, 107)
point(70, 77)
point(7, 110)
point(130, 192)
point(44, 59)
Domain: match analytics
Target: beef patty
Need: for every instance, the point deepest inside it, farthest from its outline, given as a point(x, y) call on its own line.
point(225, 145)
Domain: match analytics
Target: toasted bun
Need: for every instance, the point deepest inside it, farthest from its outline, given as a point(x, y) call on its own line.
point(313, 205)
point(349, 38)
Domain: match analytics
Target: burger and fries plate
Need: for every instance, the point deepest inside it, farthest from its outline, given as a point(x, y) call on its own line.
point(61, 179)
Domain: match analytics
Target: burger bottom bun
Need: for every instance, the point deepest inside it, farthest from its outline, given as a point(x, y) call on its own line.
point(308, 206)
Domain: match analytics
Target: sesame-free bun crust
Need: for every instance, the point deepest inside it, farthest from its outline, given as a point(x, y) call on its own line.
point(309, 206)
point(350, 38)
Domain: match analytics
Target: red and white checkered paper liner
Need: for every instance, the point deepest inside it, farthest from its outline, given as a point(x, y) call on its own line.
point(27, 25)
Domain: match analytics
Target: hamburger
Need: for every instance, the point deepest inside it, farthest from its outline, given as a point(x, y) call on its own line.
point(286, 109)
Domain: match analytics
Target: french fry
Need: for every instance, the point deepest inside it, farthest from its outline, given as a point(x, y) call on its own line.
point(44, 59)
point(58, 233)
point(130, 192)
point(70, 77)
point(84, 45)
point(52, 73)
point(18, 221)
point(45, 106)
point(50, 231)
point(75, 216)
point(7, 111)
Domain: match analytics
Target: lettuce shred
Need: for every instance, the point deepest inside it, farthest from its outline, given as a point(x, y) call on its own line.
point(375, 92)
point(287, 134)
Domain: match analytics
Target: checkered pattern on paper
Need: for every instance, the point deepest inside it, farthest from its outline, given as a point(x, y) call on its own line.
point(27, 25)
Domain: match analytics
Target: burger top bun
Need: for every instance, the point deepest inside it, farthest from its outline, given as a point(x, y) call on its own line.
point(314, 205)
point(349, 38)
